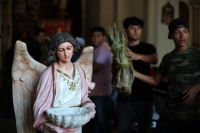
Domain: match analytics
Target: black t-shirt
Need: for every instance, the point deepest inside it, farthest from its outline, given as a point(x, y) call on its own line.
point(140, 90)
point(34, 49)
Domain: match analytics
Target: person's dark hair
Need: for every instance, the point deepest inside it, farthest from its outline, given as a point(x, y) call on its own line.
point(39, 30)
point(98, 29)
point(133, 21)
point(176, 24)
point(57, 40)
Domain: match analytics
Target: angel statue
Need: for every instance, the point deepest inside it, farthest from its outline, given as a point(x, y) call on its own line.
point(54, 98)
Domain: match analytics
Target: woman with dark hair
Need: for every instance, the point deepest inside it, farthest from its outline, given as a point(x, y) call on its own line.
point(63, 84)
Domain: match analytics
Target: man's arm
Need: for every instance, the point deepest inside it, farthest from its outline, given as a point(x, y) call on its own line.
point(155, 81)
point(151, 58)
point(96, 67)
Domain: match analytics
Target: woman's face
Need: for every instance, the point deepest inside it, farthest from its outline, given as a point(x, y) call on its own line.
point(65, 52)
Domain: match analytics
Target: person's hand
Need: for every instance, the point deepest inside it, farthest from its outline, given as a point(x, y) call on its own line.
point(191, 93)
point(115, 66)
point(132, 55)
point(116, 63)
point(114, 60)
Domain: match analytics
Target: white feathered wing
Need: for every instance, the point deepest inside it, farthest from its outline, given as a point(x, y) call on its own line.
point(25, 76)
point(86, 61)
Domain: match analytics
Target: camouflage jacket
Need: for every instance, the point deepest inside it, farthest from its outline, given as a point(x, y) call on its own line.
point(183, 70)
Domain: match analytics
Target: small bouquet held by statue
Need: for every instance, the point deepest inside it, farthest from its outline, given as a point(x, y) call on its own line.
point(54, 98)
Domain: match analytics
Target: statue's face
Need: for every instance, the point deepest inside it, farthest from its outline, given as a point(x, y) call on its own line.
point(65, 52)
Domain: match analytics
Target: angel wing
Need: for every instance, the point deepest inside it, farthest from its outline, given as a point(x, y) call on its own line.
point(25, 76)
point(85, 61)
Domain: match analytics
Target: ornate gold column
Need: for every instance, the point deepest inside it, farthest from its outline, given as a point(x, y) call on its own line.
point(196, 23)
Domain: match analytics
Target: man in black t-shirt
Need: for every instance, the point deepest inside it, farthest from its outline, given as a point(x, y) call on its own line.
point(38, 49)
point(141, 99)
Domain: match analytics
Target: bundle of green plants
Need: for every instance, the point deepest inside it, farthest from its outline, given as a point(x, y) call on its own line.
point(125, 76)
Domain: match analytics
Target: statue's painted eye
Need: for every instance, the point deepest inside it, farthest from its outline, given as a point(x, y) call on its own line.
point(60, 50)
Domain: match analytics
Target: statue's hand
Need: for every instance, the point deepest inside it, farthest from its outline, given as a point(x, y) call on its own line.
point(89, 91)
point(92, 111)
point(50, 126)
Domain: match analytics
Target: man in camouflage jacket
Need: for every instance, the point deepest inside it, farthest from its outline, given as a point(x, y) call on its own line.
point(182, 66)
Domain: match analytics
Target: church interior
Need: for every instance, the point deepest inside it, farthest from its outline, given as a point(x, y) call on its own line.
point(19, 18)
